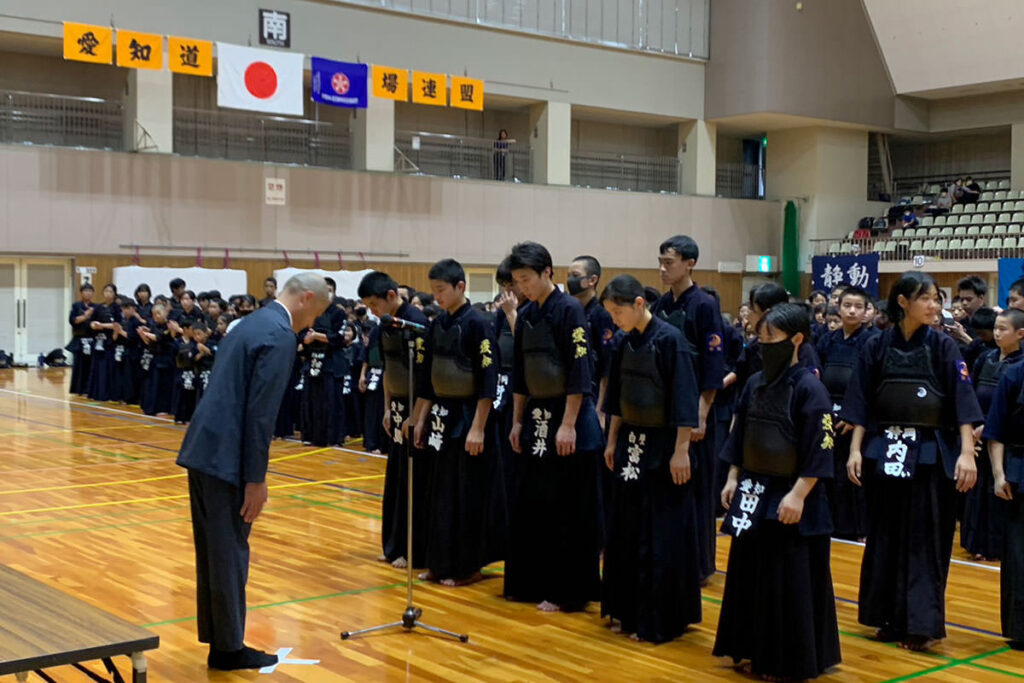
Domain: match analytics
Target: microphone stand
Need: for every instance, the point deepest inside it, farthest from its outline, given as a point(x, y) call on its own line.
point(411, 616)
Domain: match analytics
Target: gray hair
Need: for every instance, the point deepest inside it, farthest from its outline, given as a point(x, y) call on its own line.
point(308, 282)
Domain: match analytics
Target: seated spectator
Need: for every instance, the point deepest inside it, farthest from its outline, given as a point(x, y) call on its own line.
point(956, 190)
point(943, 204)
point(971, 191)
point(909, 219)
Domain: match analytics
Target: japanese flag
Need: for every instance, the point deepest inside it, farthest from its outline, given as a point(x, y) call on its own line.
point(260, 80)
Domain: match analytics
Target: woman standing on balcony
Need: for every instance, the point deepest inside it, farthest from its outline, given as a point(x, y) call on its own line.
point(501, 153)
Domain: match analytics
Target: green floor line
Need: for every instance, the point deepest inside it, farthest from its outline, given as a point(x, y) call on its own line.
point(993, 669)
point(354, 591)
point(949, 665)
point(320, 503)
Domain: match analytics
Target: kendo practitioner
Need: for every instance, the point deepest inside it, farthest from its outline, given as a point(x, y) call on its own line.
point(1004, 434)
point(320, 409)
point(380, 294)
point(912, 407)
point(371, 384)
point(454, 403)
point(353, 357)
point(984, 520)
point(724, 406)
point(778, 607)
point(126, 354)
point(206, 354)
point(270, 290)
point(838, 351)
point(104, 323)
point(553, 527)
point(289, 413)
point(144, 296)
point(651, 581)
point(157, 363)
point(80, 347)
point(510, 302)
point(696, 315)
point(225, 451)
point(761, 300)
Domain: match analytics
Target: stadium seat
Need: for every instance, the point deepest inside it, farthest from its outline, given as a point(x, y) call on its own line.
point(896, 232)
point(1004, 185)
point(973, 231)
point(927, 221)
point(1000, 230)
point(1000, 195)
point(1003, 218)
point(954, 243)
point(986, 196)
point(922, 232)
point(1017, 217)
point(1014, 229)
point(941, 245)
point(981, 243)
point(967, 219)
point(995, 243)
point(942, 220)
point(934, 189)
point(917, 200)
point(833, 247)
point(946, 231)
point(917, 246)
point(1010, 243)
point(1012, 194)
point(935, 232)
point(958, 208)
point(980, 207)
point(991, 218)
point(879, 246)
point(960, 232)
point(986, 230)
point(1008, 206)
point(991, 185)
point(929, 245)
point(967, 243)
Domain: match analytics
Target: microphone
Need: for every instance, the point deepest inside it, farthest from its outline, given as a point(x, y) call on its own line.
point(401, 323)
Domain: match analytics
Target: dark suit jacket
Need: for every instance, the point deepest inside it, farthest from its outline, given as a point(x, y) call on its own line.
point(229, 436)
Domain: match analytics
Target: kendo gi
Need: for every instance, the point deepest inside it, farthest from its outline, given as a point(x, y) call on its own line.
point(652, 576)
point(554, 545)
point(467, 512)
point(374, 437)
point(101, 369)
point(185, 380)
point(778, 608)
point(503, 407)
point(80, 347)
point(838, 354)
point(157, 363)
point(724, 407)
point(696, 314)
point(397, 373)
point(984, 519)
point(601, 332)
point(225, 448)
point(1005, 424)
point(911, 395)
point(321, 412)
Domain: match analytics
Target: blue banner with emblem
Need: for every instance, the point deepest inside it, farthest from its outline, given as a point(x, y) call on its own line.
point(339, 84)
point(831, 271)
point(1010, 270)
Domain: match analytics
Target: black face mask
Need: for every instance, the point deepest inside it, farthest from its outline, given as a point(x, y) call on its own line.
point(574, 283)
point(775, 358)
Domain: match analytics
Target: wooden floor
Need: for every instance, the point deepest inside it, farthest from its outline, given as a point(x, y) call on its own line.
point(92, 503)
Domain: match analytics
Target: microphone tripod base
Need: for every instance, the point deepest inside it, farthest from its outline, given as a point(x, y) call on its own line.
point(410, 621)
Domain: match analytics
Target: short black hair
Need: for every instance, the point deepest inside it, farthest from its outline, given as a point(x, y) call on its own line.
point(832, 310)
point(1017, 287)
point(250, 299)
point(856, 291)
point(789, 318)
point(176, 283)
point(446, 270)
point(214, 294)
point(503, 273)
point(530, 256)
point(203, 296)
point(191, 294)
point(973, 283)
point(623, 290)
point(270, 278)
point(331, 283)
point(768, 295)
point(112, 286)
point(816, 292)
point(1015, 316)
point(713, 293)
point(85, 286)
point(376, 284)
point(684, 245)
point(652, 295)
point(431, 311)
point(591, 266)
point(426, 298)
point(129, 302)
point(143, 288)
point(983, 319)
point(200, 326)
point(911, 285)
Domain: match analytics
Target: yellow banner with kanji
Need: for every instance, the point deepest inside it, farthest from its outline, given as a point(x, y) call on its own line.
point(429, 88)
point(87, 43)
point(190, 56)
point(390, 83)
point(140, 50)
point(467, 93)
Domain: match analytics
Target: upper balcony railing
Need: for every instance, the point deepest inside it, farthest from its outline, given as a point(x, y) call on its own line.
point(45, 119)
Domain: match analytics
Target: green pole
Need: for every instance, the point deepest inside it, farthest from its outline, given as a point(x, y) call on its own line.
point(791, 251)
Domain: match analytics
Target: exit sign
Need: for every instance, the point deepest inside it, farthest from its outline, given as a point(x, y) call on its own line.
point(761, 263)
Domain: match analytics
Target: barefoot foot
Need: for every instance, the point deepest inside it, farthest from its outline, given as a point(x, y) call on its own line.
point(548, 607)
point(400, 563)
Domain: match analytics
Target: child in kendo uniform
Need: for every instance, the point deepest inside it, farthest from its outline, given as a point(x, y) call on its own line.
point(157, 362)
point(104, 323)
point(778, 608)
point(82, 335)
point(185, 376)
point(206, 353)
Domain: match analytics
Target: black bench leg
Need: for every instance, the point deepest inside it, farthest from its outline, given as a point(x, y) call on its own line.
point(139, 667)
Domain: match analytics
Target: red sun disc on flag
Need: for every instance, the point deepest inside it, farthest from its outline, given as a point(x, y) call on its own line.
point(340, 84)
point(261, 80)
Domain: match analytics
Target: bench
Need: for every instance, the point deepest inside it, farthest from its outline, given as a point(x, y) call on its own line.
point(41, 627)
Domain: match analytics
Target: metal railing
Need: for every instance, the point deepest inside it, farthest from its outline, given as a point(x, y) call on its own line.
point(460, 156)
point(915, 185)
point(677, 27)
point(252, 137)
point(64, 121)
point(624, 172)
point(905, 249)
point(739, 181)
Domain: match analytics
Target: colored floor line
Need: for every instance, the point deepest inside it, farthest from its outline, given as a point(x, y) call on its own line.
point(335, 506)
point(333, 486)
point(341, 594)
point(983, 667)
point(950, 665)
point(98, 436)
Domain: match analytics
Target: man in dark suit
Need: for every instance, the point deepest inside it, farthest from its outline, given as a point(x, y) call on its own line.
point(226, 454)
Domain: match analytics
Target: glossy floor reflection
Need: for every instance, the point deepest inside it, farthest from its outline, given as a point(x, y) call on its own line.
point(92, 503)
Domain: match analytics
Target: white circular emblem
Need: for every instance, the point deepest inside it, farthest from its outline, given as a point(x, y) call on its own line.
point(922, 392)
